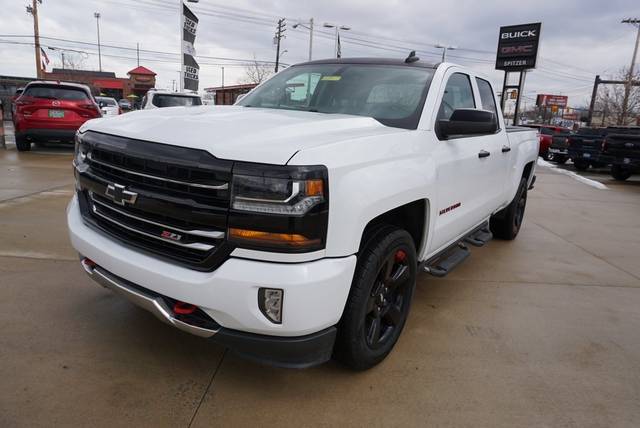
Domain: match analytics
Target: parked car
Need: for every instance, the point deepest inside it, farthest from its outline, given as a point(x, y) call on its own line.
point(584, 148)
point(124, 104)
point(545, 135)
point(108, 106)
point(159, 99)
point(15, 96)
point(621, 149)
point(558, 151)
point(291, 226)
point(52, 112)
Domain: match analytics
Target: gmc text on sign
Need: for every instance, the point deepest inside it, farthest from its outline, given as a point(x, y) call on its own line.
point(518, 47)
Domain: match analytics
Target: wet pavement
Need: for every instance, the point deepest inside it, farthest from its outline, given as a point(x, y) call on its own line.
point(541, 331)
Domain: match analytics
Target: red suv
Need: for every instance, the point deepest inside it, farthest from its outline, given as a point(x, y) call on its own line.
point(52, 111)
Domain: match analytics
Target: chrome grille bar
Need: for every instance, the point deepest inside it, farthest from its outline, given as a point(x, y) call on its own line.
point(193, 246)
point(213, 234)
point(224, 186)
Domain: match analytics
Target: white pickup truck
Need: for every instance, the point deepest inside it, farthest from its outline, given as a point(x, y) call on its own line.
point(291, 227)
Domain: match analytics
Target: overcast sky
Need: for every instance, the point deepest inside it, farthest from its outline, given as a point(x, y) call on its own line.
point(579, 38)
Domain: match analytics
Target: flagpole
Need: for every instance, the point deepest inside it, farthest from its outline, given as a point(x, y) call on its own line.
point(181, 22)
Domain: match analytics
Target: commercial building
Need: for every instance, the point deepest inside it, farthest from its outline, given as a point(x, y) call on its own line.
point(227, 95)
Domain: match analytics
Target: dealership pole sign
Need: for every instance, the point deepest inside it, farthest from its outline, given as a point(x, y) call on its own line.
point(518, 47)
point(190, 67)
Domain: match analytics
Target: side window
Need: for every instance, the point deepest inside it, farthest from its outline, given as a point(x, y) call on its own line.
point(486, 96)
point(457, 94)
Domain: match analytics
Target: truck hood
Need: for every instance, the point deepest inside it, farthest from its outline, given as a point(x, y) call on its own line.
point(240, 133)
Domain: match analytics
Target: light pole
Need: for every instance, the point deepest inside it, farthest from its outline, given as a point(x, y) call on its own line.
point(310, 28)
point(180, 32)
point(97, 16)
point(627, 86)
point(338, 28)
point(444, 50)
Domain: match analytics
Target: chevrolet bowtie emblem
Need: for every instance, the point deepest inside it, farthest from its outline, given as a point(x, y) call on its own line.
point(120, 195)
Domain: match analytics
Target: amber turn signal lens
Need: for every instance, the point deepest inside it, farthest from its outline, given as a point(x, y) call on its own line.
point(274, 239)
point(314, 188)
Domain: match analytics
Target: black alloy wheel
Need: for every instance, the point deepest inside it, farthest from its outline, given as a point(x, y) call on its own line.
point(387, 301)
point(379, 299)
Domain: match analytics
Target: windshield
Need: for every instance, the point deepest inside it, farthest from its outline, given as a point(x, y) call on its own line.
point(393, 95)
point(107, 101)
point(163, 100)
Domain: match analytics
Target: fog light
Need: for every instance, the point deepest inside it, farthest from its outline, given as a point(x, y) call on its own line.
point(270, 303)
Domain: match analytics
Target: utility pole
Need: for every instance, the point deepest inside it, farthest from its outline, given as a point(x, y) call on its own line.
point(280, 29)
point(627, 86)
point(96, 15)
point(33, 10)
point(138, 53)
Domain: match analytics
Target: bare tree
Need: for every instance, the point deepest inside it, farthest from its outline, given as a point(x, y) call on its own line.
point(257, 72)
point(609, 101)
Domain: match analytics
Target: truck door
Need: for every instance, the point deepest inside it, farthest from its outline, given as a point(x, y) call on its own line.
point(465, 181)
point(497, 165)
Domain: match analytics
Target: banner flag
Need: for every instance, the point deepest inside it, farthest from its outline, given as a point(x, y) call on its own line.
point(190, 67)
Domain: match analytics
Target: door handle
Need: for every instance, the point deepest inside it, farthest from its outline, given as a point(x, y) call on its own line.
point(506, 149)
point(483, 154)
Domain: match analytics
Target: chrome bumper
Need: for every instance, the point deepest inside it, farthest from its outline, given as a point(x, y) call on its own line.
point(155, 305)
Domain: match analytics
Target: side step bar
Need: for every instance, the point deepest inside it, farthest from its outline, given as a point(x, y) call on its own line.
point(445, 263)
point(448, 259)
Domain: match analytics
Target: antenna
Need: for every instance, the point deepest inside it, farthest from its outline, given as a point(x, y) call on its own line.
point(411, 58)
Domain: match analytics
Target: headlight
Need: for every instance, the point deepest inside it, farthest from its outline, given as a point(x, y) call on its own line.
point(282, 208)
point(80, 150)
point(276, 195)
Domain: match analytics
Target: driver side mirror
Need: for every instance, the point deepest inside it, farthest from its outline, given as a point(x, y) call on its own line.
point(468, 122)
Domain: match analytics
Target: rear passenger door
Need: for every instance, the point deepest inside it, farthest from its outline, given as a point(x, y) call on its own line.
point(497, 144)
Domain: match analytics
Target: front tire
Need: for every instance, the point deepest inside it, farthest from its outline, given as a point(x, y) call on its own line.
point(379, 300)
point(22, 144)
point(506, 223)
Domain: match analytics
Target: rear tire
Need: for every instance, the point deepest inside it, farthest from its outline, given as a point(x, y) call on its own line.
point(379, 300)
point(506, 223)
point(22, 144)
point(581, 165)
point(619, 173)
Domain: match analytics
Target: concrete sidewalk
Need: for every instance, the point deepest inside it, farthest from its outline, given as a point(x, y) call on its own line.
point(541, 331)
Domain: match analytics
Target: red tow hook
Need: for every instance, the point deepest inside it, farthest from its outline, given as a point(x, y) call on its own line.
point(182, 308)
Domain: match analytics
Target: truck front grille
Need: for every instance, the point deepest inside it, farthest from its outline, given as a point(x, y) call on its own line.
point(181, 201)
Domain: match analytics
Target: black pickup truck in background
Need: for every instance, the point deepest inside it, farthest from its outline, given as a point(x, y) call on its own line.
point(584, 147)
point(621, 149)
point(558, 150)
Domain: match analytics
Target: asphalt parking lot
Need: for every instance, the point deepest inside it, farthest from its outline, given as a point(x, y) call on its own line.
point(541, 331)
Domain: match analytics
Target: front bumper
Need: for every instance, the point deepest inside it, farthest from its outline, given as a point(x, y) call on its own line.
point(296, 352)
point(314, 292)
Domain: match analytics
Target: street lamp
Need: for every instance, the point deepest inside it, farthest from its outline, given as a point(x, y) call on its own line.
point(444, 50)
point(338, 28)
point(310, 28)
point(96, 15)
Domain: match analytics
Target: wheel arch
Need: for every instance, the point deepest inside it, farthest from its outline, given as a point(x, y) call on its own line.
point(412, 217)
